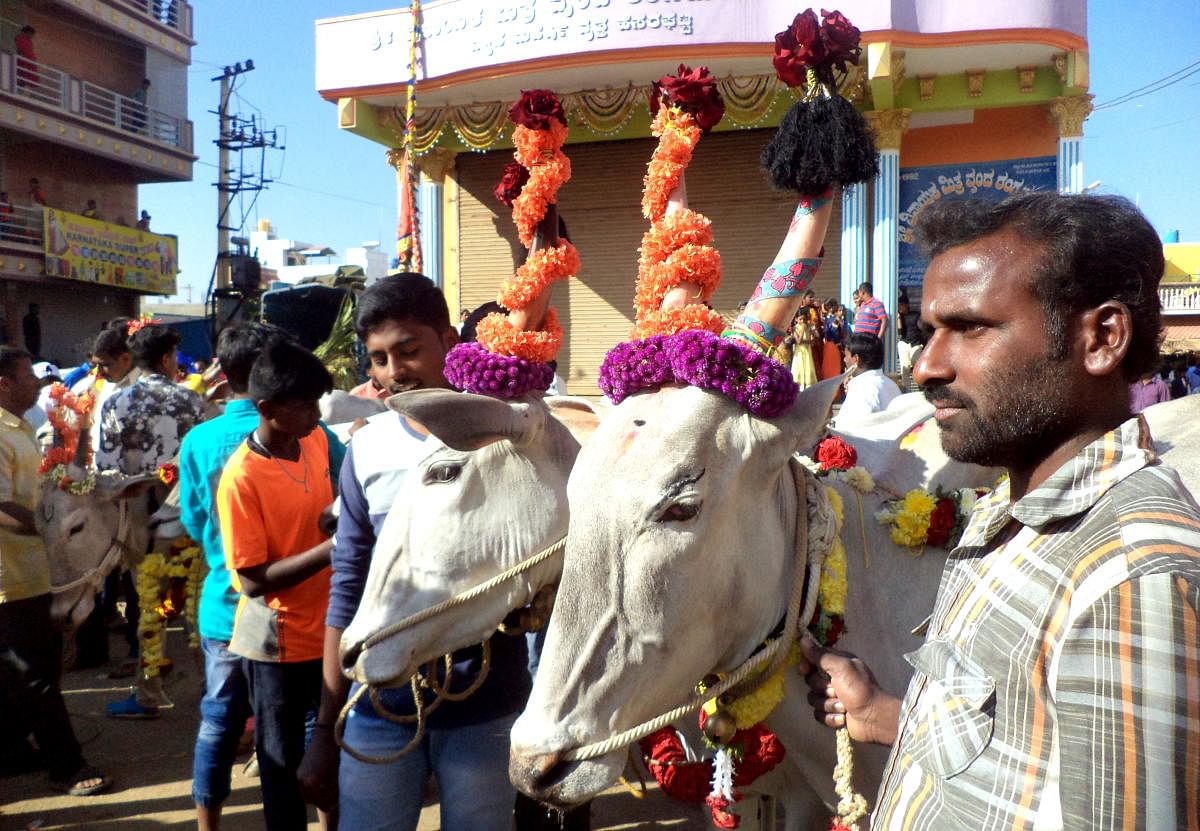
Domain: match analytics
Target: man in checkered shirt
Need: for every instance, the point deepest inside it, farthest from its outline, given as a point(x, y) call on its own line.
point(1059, 684)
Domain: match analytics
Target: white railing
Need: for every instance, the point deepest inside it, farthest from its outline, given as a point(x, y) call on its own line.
point(174, 14)
point(21, 224)
point(1179, 298)
point(57, 89)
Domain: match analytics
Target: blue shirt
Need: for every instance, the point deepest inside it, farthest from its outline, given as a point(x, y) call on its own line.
point(205, 450)
point(379, 459)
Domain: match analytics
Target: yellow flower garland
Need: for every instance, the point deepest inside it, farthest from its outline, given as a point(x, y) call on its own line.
point(910, 523)
point(157, 603)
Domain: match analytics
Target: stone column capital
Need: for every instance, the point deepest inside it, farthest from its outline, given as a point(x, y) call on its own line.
point(888, 126)
point(436, 162)
point(1068, 114)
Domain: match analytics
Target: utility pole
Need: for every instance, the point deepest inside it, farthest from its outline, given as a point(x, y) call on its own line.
point(229, 136)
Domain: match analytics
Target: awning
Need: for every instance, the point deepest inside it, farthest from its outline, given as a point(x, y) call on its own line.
point(1181, 337)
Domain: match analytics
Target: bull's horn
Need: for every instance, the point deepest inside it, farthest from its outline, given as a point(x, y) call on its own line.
point(84, 446)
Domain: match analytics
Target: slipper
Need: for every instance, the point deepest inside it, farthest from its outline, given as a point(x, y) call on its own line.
point(129, 708)
point(73, 785)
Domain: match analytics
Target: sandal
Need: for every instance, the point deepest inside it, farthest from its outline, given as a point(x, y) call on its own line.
point(129, 708)
point(74, 785)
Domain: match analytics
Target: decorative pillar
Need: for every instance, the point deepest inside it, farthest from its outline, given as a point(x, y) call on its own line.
point(889, 126)
point(1068, 114)
point(434, 165)
point(854, 241)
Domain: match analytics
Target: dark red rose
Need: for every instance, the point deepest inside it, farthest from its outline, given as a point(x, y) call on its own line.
point(693, 91)
point(535, 108)
point(835, 454)
point(511, 183)
point(840, 38)
point(942, 522)
point(799, 47)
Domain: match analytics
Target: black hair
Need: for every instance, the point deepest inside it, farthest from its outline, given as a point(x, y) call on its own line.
point(286, 371)
point(867, 348)
point(1095, 249)
point(467, 335)
point(832, 303)
point(405, 296)
point(239, 346)
point(113, 340)
point(867, 287)
point(10, 356)
point(819, 144)
point(151, 343)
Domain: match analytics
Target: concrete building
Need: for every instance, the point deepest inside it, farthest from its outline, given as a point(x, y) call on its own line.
point(78, 118)
point(290, 261)
point(967, 98)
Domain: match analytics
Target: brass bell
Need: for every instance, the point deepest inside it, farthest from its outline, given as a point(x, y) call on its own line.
point(720, 727)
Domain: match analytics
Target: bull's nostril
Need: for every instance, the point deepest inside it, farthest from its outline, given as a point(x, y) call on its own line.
point(350, 656)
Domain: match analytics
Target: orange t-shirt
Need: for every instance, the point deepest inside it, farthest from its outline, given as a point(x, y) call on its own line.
point(267, 514)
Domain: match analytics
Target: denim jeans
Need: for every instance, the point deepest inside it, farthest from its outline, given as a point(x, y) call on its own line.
point(470, 763)
point(285, 700)
point(223, 713)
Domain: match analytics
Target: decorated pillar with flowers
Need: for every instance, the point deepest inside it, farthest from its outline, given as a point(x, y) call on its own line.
point(434, 165)
point(1068, 114)
point(854, 241)
point(888, 126)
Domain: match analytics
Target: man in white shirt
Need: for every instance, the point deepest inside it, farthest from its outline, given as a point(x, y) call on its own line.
point(868, 390)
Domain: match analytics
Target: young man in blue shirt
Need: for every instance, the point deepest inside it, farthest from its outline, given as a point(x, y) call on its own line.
point(405, 325)
point(226, 702)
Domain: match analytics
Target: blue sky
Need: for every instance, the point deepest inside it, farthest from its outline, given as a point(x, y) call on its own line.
point(336, 189)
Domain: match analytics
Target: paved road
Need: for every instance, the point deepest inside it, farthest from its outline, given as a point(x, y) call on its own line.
point(151, 763)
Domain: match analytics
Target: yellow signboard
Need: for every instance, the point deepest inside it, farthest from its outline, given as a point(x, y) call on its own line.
point(79, 248)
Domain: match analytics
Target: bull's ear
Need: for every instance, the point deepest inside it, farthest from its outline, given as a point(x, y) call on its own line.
point(113, 487)
point(805, 422)
point(580, 416)
point(465, 421)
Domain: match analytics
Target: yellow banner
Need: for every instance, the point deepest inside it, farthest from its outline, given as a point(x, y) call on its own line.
point(79, 248)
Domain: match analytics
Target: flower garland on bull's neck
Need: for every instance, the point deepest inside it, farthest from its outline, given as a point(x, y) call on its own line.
point(937, 518)
point(167, 585)
point(507, 362)
point(68, 418)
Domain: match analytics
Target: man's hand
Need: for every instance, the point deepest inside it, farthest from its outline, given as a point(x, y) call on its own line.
point(318, 771)
point(844, 693)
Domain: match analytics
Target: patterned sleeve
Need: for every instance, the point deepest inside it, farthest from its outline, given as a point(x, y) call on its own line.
point(1128, 703)
point(108, 454)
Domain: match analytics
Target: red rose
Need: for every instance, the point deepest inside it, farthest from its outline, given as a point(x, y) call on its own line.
point(942, 522)
point(835, 454)
point(840, 38)
point(168, 474)
point(797, 48)
point(693, 91)
point(535, 108)
point(511, 183)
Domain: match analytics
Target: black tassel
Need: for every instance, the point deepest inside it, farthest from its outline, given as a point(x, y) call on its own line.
point(820, 143)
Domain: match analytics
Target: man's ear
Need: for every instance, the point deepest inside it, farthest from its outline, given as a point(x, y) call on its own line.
point(450, 338)
point(1105, 334)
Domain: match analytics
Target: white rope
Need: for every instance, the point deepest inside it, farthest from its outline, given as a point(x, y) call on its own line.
point(801, 605)
point(117, 545)
point(459, 599)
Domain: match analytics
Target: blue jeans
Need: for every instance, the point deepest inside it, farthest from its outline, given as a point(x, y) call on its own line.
point(469, 762)
point(223, 713)
point(285, 700)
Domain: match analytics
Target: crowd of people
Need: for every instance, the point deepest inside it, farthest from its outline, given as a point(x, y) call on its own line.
point(284, 580)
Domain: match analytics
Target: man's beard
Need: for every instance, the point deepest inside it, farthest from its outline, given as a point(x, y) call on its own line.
point(1028, 416)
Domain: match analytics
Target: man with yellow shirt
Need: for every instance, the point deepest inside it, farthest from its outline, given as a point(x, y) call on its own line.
point(30, 647)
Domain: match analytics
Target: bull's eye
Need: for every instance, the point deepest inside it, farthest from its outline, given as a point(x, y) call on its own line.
point(680, 512)
point(76, 529)
point(443, 472)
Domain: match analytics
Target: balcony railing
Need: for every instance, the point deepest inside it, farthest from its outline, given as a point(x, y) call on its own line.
point(174, 14)
point(1179, 298)
point(21, 224)
point(55, 88)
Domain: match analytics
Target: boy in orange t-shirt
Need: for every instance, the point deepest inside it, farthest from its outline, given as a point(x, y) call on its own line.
point(270, 498)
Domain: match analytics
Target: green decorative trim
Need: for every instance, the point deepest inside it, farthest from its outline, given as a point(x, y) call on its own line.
point(1001, 88)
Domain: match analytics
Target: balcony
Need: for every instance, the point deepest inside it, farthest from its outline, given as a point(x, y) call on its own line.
point(1179, 298)
point(165, 25)
point(129, 130)
point(173, 14)
point(21, 225)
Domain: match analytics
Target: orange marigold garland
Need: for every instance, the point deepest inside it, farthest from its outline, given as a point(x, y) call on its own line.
point(68, 418)
point(496, 334)
point(541, 269)
point(540, 151)
point(677, 248)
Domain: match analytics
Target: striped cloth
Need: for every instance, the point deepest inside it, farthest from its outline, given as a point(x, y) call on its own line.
point(1059, 686)
point(869, 317)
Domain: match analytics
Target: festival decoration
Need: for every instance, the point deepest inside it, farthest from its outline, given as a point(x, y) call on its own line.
point(835, 453)
point(408, 226)
point(168, 473)
point(823, 140)
point(167, 585)
point(68, 418)
point(138, 324)
point(921, 518)
point(677, 247)
point(507, 361)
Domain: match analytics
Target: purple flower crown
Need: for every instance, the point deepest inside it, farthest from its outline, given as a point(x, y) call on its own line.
point(762, 385)
point(472, 368)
